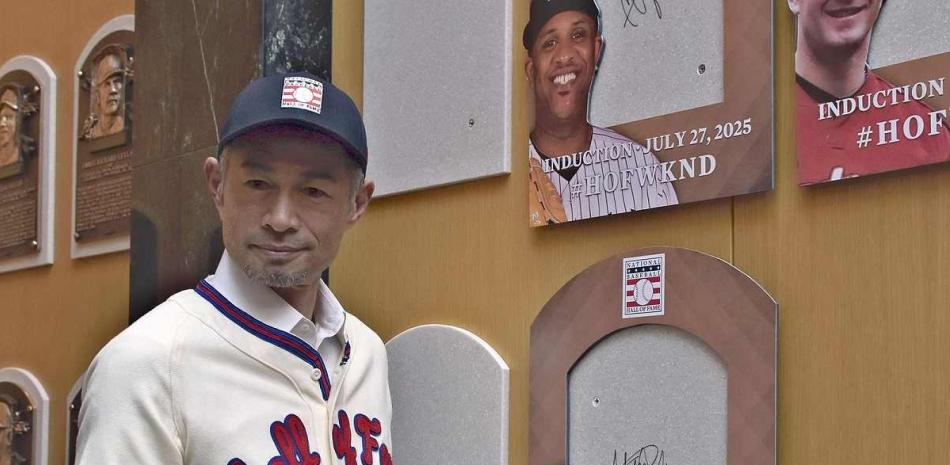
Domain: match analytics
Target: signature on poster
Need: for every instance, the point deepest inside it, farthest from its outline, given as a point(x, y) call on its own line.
point(647, 455)
point(631, 8)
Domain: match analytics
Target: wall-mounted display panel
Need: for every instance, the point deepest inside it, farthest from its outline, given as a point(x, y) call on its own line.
point(655, 356)
point(646, 104)
point(24, 418)
point(436, 91)
point(450, 397)
point(870, 94)
point(102, 157)
point(27, 168)
point(73, 405)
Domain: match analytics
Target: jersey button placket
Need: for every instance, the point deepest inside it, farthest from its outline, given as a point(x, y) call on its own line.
point(315, 375)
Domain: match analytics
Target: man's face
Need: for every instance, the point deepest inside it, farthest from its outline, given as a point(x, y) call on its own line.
point(6, 428)
point(286, 201)
point(7, 125)
point(109, 85)
point(561, 64)
point(830, 24)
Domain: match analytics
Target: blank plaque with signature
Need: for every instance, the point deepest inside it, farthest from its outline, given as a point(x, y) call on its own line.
point(657, 356)
point(653, 54)
point(656, 383)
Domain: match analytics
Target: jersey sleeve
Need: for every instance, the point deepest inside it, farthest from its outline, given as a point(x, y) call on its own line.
point(127, 412)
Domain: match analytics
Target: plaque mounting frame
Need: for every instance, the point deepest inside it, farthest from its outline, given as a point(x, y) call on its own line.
point(704, 296)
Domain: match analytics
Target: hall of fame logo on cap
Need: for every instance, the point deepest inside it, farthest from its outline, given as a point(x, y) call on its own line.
point(643, 285)
point(302, 93)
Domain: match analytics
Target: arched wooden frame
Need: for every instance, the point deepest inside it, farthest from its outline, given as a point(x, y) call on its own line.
point(704, 296)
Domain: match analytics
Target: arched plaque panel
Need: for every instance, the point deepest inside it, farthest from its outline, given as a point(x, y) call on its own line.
point(705, 310)
point(24, 409)
point(27, 200)
point(450, 398)
point(102, 152)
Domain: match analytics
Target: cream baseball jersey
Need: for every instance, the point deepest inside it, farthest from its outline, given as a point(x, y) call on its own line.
point(615, 175)
point(227, 374)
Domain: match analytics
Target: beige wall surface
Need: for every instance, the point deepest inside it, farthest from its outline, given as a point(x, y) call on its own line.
point(56, 318)
point(859, 270)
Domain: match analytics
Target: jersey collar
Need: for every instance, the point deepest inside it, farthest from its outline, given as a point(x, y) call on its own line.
point(261, 312)
point(265, 305)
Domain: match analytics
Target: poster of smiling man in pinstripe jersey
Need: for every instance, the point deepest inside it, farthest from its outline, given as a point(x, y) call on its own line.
point(578, 170)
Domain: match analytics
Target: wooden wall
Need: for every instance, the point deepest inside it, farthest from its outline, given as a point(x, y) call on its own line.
point(860, 271)
point(56, 318)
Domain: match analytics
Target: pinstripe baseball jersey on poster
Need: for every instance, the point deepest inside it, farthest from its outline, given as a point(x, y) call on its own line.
point(616, 175)
point(230, 374)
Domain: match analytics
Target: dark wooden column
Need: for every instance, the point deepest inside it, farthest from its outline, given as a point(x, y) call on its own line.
point(193, 57)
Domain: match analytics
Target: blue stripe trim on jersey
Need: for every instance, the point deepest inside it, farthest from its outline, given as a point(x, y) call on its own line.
point(267, 333)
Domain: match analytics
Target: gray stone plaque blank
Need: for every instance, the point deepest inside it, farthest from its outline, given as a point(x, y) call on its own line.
point(649, 385)
point(652, 68)
point(450, 398)
point(436, 91)
point(910, 29)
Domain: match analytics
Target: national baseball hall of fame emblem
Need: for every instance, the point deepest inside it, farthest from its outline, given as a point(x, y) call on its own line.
point(644, 286)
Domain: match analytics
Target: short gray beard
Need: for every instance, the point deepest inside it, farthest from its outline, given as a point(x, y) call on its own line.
point(276, 278)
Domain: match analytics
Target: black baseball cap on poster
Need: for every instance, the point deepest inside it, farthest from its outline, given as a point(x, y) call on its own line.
point(299, 99)
point(543, 10)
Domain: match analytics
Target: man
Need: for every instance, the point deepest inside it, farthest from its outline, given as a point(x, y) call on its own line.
point(834, 37)
point(107, 108)
point(259, 363)
point(578, 171)
point(9, 145)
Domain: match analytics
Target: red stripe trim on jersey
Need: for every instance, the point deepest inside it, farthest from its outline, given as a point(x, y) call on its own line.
point(282, 339)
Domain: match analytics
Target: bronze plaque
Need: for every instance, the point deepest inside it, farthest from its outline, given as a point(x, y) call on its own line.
point(104, 148)
point(19, 164)
point(16, 426)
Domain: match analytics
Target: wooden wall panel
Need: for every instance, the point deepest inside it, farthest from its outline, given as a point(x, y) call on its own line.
point(860, 269)
point(464, 255)
point(55, 318)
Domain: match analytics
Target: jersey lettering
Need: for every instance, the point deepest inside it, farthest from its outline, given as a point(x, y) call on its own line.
point(384, 457)
point(368, 429)
point(293, 445)
point(343, 440)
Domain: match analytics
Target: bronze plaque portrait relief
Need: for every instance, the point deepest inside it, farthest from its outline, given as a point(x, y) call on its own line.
point(16, 426)
point(104, 148)
point(19, 168)
point(109, 74)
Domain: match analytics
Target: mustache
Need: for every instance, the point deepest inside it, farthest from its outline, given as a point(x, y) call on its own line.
point(271, 242)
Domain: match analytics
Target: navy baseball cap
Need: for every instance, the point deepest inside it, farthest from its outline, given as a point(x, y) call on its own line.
point(298, 99)
point(543, 10)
